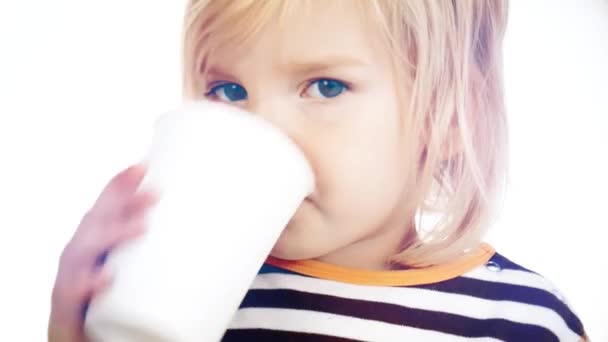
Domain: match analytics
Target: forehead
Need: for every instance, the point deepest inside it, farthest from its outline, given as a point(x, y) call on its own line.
point(299, 31)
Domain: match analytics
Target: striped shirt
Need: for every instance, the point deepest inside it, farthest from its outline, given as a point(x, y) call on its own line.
point(480, 297)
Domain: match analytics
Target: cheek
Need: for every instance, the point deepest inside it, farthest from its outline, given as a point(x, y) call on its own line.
point(362, 180)
point(366, 187)
point(359, 161)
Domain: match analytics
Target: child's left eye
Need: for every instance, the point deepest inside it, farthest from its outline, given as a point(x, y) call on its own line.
point(325, 88)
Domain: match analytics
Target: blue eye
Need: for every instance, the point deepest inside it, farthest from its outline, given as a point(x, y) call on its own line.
point(228, 92)
point(326, 88)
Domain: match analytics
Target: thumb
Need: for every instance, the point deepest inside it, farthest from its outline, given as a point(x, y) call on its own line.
point(101, 281)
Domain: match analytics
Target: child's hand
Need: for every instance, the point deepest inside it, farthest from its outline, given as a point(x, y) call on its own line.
point(117, 216)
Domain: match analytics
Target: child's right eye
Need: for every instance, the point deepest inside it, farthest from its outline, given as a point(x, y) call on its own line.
point(227, 92)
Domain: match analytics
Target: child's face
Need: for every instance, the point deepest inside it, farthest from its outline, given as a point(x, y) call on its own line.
point(326, 79)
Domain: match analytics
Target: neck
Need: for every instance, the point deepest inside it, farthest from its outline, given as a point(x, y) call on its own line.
point(373, 252)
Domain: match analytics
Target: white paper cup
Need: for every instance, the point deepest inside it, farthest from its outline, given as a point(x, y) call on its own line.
point(229, 183)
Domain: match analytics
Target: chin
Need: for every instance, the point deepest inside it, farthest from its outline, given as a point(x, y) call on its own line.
point(300, 239)
point(288, 249)
point(307, 236)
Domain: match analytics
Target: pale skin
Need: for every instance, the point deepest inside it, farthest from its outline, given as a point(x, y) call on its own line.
point(330, 86)
point(116, 217)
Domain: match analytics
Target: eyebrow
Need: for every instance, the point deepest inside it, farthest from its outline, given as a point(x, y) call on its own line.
point(321, 63)
point(218, 73)
point(301, 65)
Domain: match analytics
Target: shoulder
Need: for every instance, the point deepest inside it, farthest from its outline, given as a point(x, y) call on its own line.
point(493, 297)
point(508, 292)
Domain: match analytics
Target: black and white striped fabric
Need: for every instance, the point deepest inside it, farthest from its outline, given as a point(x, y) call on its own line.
point(495, 301)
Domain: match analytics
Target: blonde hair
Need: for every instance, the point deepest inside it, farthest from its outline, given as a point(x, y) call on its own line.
point(449, 59)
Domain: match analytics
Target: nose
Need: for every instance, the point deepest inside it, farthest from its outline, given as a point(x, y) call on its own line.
point(285, 115)
point(278, 113)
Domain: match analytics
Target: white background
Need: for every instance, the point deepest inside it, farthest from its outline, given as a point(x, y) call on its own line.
point(82, 81)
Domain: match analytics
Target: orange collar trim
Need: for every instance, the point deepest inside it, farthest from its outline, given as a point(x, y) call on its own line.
point(420, 276)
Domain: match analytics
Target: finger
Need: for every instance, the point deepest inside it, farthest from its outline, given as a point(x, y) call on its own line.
point(108, 206)
point(138, 205)
point(101, 281)
point(121, 233)
point(134, 228)
point(115, 236)
point(87, 250)
point(117, 190)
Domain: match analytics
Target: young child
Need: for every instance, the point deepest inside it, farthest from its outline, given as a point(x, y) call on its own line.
point(398, 105)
